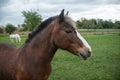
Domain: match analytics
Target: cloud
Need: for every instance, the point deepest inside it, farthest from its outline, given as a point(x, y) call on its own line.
point(3, 2)
point(104, 12)
point(10, 10)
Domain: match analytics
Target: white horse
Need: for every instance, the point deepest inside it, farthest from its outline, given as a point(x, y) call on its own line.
point(15, 37)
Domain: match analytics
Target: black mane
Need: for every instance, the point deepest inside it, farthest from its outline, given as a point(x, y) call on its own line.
point(39, 28)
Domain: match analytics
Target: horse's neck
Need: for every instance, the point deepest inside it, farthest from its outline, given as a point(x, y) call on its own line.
point(42, 45)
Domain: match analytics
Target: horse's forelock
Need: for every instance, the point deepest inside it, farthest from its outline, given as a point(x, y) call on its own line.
point(70, 21)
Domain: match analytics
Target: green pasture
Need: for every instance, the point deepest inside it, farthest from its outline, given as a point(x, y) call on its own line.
point(104, 63)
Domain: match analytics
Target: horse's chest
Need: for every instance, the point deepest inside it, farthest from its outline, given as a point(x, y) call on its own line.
point(33, 72)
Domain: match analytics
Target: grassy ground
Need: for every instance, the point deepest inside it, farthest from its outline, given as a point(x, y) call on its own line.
point(104, 63)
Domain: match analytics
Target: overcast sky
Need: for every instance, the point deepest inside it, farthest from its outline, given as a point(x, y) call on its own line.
point(10, 10)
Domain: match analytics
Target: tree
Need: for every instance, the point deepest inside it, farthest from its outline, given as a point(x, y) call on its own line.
point(1, 30)
point(117, 24)
point(32, 19)
point(78, 24)
point(10, 28)
point(99, 23)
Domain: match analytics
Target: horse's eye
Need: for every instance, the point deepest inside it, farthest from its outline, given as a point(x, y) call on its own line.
point(68, 31)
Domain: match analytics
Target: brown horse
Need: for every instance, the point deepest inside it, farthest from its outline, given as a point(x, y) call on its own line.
point(32, 60)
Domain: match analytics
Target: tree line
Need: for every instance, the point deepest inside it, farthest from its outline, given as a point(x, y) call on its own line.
point(32, 19)
point(84, 23)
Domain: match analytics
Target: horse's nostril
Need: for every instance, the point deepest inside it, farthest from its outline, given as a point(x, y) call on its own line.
point(89, 53)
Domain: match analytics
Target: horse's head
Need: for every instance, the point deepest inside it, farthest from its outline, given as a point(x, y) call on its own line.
point(68, 38)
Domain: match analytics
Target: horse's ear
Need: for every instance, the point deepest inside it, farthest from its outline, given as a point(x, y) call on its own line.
point(67, 13)
point(61, 16)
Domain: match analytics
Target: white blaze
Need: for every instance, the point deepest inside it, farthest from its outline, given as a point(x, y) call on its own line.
point(83, 40)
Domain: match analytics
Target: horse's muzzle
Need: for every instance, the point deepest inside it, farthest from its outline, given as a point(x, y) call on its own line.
point(84, 56)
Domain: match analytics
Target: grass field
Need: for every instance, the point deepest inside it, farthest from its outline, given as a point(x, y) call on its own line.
point(104, 63)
